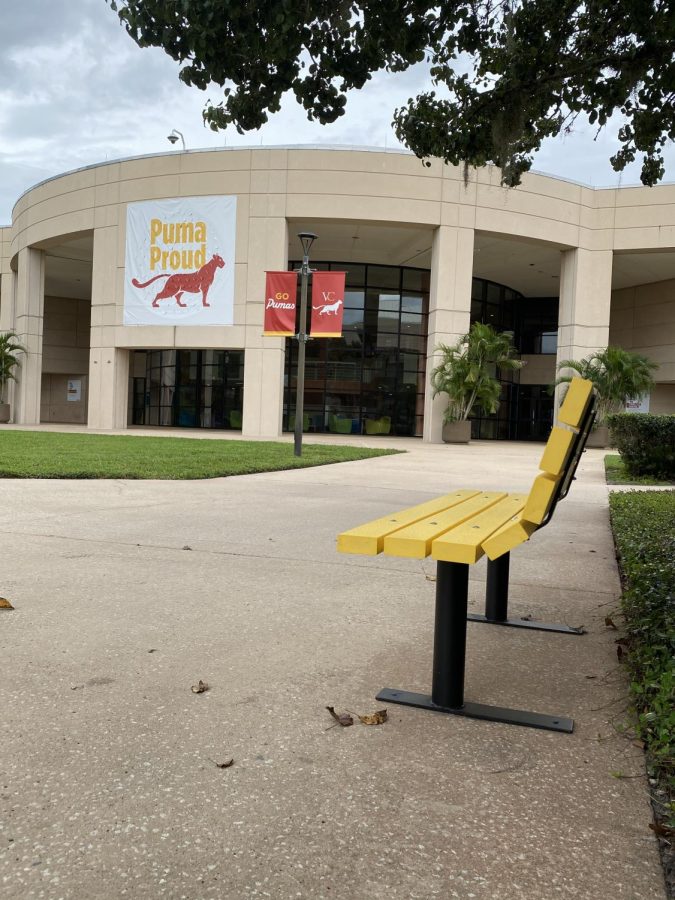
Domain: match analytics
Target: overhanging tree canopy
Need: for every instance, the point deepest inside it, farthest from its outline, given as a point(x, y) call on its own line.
point(533, 67)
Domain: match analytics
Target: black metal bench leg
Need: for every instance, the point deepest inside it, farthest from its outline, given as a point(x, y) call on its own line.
point(497, 602)
point(447, 691)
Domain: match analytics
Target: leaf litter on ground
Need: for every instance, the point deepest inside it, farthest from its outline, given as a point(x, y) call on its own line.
point(345, 719)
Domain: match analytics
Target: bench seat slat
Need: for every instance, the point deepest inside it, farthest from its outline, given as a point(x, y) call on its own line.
point(508, 537)
point(415, 540)
point(368, 539)
point(464, 544)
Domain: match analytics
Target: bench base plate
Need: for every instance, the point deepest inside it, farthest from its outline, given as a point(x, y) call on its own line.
point(527, 623)
point(480, 711)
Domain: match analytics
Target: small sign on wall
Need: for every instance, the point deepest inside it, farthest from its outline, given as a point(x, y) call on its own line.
point(74, 390)
point(638, 406)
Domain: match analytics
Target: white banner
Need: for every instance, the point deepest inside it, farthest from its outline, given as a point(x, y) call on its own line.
point(180, 261)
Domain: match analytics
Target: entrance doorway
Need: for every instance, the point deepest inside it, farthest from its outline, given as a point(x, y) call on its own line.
point(189, 389)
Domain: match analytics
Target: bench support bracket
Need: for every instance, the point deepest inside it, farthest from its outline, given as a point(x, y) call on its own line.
point(447, 691)
point(497, 602)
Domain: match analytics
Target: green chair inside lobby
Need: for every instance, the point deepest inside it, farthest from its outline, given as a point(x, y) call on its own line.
point(378, 426)
point(305, 422)
point(339, 424)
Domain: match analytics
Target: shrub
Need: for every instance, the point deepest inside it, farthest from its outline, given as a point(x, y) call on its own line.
point(644, 532)
point(646, 443)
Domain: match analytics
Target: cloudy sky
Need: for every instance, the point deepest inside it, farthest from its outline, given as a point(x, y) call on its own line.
point(76, 90)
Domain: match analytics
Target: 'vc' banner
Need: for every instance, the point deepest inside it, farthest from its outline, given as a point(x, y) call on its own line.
point(328, 298)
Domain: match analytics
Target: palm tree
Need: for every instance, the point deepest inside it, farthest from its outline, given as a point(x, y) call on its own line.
point(9, 348)
point(467, 370)
point(618, 375)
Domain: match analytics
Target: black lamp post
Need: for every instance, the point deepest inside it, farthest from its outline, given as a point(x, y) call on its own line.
point(306, 239)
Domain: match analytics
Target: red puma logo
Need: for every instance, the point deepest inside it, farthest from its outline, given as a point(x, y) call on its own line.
point(186, 282)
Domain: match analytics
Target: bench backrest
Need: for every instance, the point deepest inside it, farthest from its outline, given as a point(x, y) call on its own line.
point(562, 453)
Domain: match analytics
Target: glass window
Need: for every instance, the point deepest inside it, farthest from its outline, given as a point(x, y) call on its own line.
point(389, 303)
point(412, 304)
point(494, 293)
point(354, 299)
point(416, 280)
point(356, 275)
point(549, 342)
point(372, 379)
point(384, 276)
point(412, 323)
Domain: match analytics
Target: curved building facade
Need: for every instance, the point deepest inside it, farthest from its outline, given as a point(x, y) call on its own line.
point(85, 282)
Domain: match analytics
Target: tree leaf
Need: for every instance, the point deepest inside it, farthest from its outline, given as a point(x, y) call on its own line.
point(200, 687)
point(377, 718)
point(5, 604)
point(343, 719)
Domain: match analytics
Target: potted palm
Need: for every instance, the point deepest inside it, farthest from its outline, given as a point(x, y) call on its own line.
point(618, 375)
point(9, 348)
point(467, 374)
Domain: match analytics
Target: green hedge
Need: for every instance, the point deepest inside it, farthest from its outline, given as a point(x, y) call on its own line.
point(646, 443)
point(644, 532)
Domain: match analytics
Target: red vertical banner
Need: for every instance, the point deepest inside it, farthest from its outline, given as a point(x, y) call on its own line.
point(328, 303)
point(280, 302)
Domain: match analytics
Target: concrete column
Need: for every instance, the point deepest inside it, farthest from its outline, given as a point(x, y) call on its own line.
point(108, 395)
point(108, 387)
point(449, 310)
point(264, 357)
point(585, 301)
point(7, 299)
point(28, 322)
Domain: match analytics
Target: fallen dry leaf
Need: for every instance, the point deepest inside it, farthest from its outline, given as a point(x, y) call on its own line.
point(224, 765)
point(199, 688)
point(377, 718)
point(664, 831)
point(5, 604)
point(609, 623)
point(343, 719)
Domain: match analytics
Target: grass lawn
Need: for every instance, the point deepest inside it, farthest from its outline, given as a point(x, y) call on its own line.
point(31, 454)
point(615, 473)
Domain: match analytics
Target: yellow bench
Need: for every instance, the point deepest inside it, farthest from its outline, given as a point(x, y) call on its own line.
point(457, 529)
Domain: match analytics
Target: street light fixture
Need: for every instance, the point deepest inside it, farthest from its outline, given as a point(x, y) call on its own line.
point(306, 239)
point(173, 137)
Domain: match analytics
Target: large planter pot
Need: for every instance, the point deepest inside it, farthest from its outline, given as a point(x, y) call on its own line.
point(457, 432)
point(598, 438)
point(4, 412)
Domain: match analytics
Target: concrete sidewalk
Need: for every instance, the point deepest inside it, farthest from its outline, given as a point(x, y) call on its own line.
point(127, 593)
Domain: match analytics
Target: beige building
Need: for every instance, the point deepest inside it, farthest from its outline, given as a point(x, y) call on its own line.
point(567, 268)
